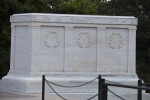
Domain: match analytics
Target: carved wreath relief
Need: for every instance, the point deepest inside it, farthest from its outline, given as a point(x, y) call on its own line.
point(115, 41)
point(50, 43)
point(81, 42)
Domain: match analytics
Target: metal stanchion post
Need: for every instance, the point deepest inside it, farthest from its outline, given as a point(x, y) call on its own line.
point(106, 92)
point(139, 96)
point(99, 87)
point(103, 90)
point(43, 87)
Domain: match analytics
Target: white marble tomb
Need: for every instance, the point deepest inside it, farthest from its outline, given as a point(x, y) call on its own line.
point(70, 49)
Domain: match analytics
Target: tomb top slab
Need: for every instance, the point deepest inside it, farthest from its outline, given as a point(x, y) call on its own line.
point(62, 18)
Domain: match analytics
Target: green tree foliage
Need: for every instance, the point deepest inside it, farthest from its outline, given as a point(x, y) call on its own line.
point(72, 6)
point(7, 8)
point(104, 8)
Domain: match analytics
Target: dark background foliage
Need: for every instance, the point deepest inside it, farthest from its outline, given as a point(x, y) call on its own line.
point(138, 8)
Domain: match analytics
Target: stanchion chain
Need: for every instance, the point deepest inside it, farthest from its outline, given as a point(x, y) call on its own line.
point(116, 94)
point(48, 82)
point(92, 97)
point(112, 82)
point(72, 86)
point(55, 91)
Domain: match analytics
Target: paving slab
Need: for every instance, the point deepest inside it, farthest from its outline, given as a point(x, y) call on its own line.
point(5, 95)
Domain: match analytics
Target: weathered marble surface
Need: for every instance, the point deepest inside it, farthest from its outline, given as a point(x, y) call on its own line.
point(72, 43)
point(70, 49)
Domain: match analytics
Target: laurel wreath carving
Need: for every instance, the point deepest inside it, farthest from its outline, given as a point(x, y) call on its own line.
point(48, 43)
point(79, 37)
point(111, 42)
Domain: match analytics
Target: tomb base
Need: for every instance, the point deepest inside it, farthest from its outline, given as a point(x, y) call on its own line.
point(32, 83)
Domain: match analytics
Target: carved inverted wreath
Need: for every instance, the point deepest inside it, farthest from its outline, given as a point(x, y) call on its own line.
point(48, 43)
point(79, 37)
point(111, 42)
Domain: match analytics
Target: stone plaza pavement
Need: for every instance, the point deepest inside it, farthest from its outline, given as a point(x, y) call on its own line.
point(21, 96)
